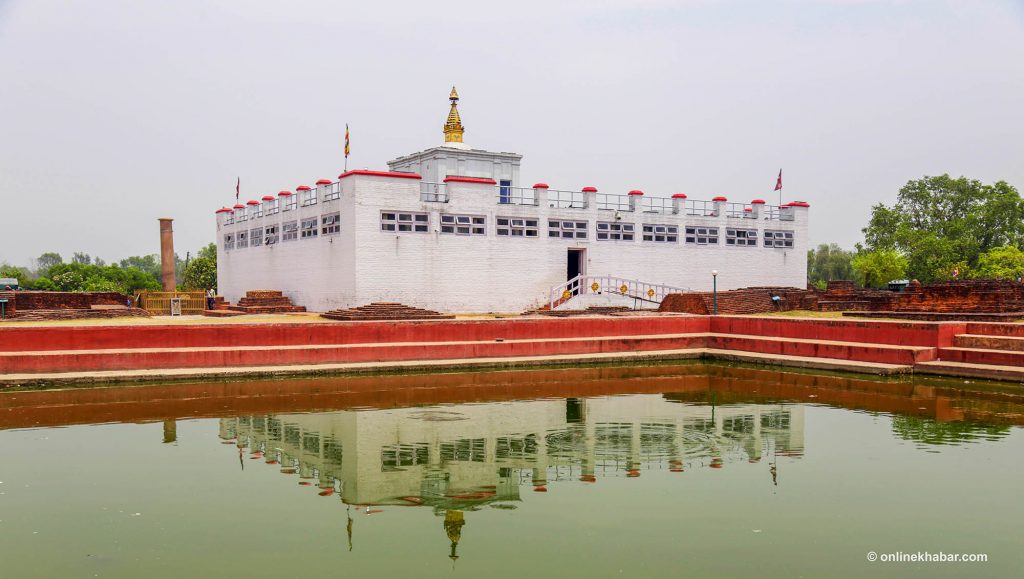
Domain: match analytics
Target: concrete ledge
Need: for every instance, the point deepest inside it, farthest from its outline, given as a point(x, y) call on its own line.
point(966, 370)
point(57, 380)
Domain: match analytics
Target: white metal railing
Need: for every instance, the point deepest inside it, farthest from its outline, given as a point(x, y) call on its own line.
point(642, 292)
point(566, 199)
point(333, 191)
point(613, 202)
point(700, 208)
point(508, 195)
point(433, 192)
point(661, 205)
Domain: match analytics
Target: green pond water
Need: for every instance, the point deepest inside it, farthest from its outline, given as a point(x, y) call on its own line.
point(695, 471)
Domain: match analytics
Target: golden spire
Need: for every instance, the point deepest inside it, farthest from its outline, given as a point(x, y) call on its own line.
point(453, 128)
point(454, 520)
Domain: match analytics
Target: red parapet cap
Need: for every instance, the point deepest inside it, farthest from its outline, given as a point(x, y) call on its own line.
point(458, 179)
point(324, 182)
point(302, 188)
point(797, 204)
point(679, 196)
point(719, 198)
point(540, 186)
point(239, 206)
point(269, 197)
point(757, 202)
point(253, 202)
point(367, 173)
point(748, 210)
point(636, 192)
point(223, 210)
point(590, 189)
point(284, 193)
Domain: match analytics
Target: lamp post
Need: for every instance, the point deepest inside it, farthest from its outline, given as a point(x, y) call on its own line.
point(714, 292)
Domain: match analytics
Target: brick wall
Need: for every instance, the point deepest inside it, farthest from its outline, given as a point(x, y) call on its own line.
point(34, 300)
point(972, 296)
point(11, 306)
point(755, 300)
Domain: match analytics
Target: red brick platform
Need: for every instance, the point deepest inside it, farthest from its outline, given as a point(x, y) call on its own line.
point(381, 311)
point(265, 302)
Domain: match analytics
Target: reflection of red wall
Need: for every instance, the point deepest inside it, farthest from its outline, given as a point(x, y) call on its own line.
point(690, 382)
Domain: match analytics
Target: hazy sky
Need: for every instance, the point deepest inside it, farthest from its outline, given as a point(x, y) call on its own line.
point(115, 113)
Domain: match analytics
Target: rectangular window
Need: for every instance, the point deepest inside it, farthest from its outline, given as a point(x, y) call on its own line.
point(504, 192)
point(463, 224)
point(743, 237)
point(567, 229)
point(516, 227)
point(289, 202)
point(404, 222)
point(289, 230)
point(330, 224)
point(243, 215)
point(272, 207)
point(332, 192)
point(229, 241)
point(270, 235)
point(242, 239)
point(702, 235)
point(615, 231)
point(307, 198)
point(661, 233)
point(256, 237)
point(778, 239)
point(308, 228)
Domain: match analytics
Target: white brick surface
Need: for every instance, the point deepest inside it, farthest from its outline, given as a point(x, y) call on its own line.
point(451, 273)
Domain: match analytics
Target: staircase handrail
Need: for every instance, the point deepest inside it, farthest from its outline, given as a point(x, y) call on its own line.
point(634, 288)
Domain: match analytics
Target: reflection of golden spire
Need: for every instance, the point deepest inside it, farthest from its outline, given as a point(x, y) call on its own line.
point(453, 521)
point(453, 128)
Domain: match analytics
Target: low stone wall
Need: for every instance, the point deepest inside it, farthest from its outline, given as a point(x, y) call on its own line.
point(971, 296)
point(37, 300)
point(754, 300)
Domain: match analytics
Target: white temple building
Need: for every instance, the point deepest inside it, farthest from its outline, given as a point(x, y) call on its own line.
point(452, 229)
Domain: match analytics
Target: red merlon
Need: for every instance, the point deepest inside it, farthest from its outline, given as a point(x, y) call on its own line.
point(269, 197)
point(757, 202)
point(590, 189)
point(719, 198)
point(798, 204)
point(223, 210)
point(324, 182)
point(283, 193)
point(380, 174)
point(302, 188)
point(636, 192)
point(540, 186)
point(253, 202)
point(239, 206)
point(679, 196)
point(457, 179)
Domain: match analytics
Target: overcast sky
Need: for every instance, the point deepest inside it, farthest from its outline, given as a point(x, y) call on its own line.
point(115, 113)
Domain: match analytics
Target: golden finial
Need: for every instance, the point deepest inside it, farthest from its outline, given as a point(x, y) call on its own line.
point(453, 128)
point(453, 522)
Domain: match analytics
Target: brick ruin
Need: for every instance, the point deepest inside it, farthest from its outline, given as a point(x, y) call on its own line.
point(752, 300)
point(45, 305)
point(265, 302)
point(968, 296)
point(383, 311)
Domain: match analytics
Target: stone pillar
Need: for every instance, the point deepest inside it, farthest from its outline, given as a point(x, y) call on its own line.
point(167, 254)
point(590, 197)
point(540, 194)
point(718, 204)
point(678, 203)
point(635, 202)
point(756, 208)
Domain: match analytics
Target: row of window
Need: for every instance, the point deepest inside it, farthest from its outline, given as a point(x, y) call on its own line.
point(273, 207)
point(289, 231)
point(475, 225)
point(563, 229)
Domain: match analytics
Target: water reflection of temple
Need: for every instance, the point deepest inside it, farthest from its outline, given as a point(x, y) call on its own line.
point(461, 457)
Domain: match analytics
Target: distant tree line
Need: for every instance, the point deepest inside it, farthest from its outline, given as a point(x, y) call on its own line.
point(87, 273)
point(940, 228)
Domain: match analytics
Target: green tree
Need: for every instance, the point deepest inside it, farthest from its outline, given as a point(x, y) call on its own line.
point(47, 260)
point(147, 263)
point(201, 273)
point(19, 273)
point(209, 252)
point(828, 262)
point(877, 268)
point(940, 222)
point(82, 258)
point(1006, 262)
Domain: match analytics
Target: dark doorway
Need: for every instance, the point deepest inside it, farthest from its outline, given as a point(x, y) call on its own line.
point(574, 263)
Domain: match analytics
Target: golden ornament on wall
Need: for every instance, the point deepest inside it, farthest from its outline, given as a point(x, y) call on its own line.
point(623, 288)
point(650, 293)
point(566, 294)
point(595, 286)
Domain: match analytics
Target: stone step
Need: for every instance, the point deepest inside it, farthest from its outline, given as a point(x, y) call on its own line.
point(969, 370)
point(831, 349)
point(978, 341)
point(211, 357)
point(982, 356)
